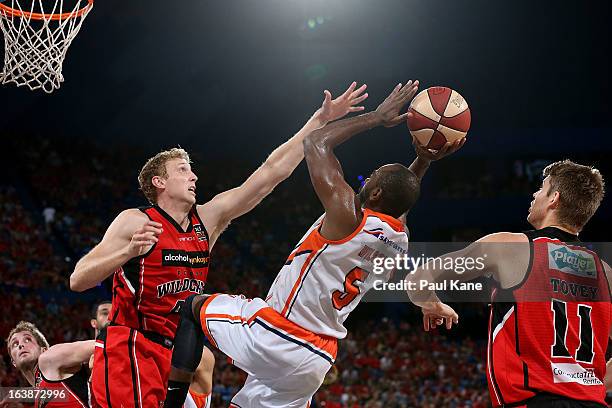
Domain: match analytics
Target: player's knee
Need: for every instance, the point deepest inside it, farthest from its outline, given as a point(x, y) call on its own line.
point(191, 308)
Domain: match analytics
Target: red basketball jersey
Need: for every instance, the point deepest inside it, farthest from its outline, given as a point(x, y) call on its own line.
point(551, 333)
point(149, 290)
point(73, 392)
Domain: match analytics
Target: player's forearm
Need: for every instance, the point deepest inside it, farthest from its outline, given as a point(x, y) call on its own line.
point(285, 158)
point(421, 294)
point(90, 270)
point(75, 353)
point(336, 133)
point(64, 356)
point(420, 166)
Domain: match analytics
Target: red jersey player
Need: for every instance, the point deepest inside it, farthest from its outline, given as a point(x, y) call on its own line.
point(551, 315)
point(60, 370)
point(159, 255)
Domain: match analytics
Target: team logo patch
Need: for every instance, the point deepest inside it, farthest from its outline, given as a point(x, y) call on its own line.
point(571, 261)
point(199, 232)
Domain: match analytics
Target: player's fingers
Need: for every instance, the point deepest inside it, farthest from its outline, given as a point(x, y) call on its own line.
point(153, 224)
point(426, 322)
point(144, 241)
point(402, 118)
point(350, 90)
point(145, 237)
point(356, 108)
point(408, 94)
point(360, 99)
point(150, 229)
point(397, 88)
point(444, 149)
point(327, 97)
point(358, 91)
point(406, 88)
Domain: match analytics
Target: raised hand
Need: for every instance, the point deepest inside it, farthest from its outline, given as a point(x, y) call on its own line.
point(433, 155)
point(389, 109)
point(438, 314)
point(333, 109)
point(144, 238)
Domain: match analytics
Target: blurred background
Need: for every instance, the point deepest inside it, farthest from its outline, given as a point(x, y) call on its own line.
point(229, 81)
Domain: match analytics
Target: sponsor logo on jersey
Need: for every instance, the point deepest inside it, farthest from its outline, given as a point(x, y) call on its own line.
point(187, 259)
point(180, 285)
point(572, 261)
point(392, 244)
point(199, 232)
point(574, 373)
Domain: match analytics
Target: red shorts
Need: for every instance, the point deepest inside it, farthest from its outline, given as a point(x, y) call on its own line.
point(130, 369)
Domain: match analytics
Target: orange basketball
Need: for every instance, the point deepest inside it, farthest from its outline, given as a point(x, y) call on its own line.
point(440, 115)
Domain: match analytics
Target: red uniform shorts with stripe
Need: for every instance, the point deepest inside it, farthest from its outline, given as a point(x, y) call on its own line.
point(285, 363)
point(129, 369)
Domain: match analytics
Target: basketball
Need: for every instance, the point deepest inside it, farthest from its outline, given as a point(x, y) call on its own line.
point(439, 115)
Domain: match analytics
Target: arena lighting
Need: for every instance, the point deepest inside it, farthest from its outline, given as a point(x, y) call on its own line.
point(313, 22)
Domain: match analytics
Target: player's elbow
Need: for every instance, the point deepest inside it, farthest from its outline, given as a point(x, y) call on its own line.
point(414, 276)
point(46, 359)
point(77, 283)
point(313, 144)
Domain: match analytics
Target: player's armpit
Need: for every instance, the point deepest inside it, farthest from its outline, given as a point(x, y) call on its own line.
point(62, 360)
point(119, 244)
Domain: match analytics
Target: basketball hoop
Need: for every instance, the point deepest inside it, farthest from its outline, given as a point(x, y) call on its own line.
point(36, 40)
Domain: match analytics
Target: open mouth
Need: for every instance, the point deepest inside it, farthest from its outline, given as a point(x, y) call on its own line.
point(192, 189)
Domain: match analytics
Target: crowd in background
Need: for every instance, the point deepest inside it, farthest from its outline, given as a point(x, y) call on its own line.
point(51, 218)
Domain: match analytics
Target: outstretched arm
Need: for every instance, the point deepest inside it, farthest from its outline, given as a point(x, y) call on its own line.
point(223, 208)
point(342, 213)
point(494, 255)
point(62, 360)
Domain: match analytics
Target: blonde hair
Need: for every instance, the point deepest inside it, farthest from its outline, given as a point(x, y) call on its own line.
point(581, 189)
point(156, 166)
point(24, 326)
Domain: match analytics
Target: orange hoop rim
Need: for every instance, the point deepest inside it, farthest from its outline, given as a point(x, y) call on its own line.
point(43, 16)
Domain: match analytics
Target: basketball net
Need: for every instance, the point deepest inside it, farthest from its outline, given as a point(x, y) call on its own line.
point(36, 40)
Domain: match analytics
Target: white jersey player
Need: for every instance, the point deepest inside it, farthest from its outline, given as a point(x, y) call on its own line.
point(323, 280)
point(288, 342)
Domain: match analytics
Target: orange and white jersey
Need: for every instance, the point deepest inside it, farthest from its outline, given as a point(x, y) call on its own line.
point(323, 280)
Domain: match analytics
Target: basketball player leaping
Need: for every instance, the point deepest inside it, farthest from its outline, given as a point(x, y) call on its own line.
point(160, 254)
point(551, 314)
point(288, 342)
